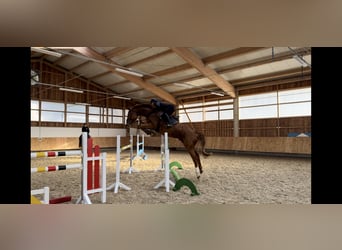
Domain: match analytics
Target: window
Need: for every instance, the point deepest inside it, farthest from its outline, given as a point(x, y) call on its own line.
point(94, 114)
point(286, 103)
point(226, 110)
point(211, 115)
point(52, 112)
point(258, 112)
point(76, 113)
point(226, 114)
point(295, 102)
point(211, 111)
point(116, 116)
point(207, 111)
point(34, 110)
point(258, 106)
point(191, 110)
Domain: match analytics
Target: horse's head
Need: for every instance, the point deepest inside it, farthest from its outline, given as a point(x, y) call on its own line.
point(141, 113)
point(132, 116)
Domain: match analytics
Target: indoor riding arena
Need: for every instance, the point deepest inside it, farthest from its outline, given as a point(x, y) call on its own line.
point(249, 107)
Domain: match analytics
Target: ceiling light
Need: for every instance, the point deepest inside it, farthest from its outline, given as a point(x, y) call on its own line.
point(184, 85)
point(72, 90)
point(44, 51)
point(129, 72)
point(216, 93)
point(122, 97)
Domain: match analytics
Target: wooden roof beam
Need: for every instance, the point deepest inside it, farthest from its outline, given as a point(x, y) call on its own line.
point(85, 51)
point(117, 51)
point(208, 72)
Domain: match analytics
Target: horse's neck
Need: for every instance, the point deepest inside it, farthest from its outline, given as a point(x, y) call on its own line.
point(145, 110)
point(151, 115)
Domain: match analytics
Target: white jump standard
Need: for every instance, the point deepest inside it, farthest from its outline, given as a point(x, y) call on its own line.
point(46, 195)
point(140, 147)
point(165, 154)
point(164, 162)
point(117, 184)
point(131, 157)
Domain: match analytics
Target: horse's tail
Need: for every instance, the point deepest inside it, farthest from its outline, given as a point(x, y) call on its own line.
point(201, 138)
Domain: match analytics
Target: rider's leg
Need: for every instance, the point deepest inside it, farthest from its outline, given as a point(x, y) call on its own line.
point(170, 122)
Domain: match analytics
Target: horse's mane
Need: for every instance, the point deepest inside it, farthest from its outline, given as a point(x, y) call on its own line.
point(142, 105)
point(144, 109)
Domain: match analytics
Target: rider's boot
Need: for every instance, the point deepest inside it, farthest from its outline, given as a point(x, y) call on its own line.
point(170, 122)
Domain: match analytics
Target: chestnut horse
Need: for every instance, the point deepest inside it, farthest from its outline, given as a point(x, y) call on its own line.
point(153, 124)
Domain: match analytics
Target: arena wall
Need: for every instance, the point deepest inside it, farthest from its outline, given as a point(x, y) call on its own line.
point(106, 138)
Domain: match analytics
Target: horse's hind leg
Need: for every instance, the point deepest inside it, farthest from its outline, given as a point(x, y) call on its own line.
point(196, 159)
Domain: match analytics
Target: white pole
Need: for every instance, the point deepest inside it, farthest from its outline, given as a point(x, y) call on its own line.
point(166, 163)
point(137, 145)
point(103, 177)
point(131, 156)
point(117, 173)
point(85, 197)
point(162, 152)
point(117, 184)
point(46, 195)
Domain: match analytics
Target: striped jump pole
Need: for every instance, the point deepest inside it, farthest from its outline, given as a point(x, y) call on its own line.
point(165, 164)
point(55, 168)
point(55, 153)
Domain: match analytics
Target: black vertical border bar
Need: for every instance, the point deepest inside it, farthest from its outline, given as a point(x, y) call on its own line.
point(326, 133)
point(16, 128)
